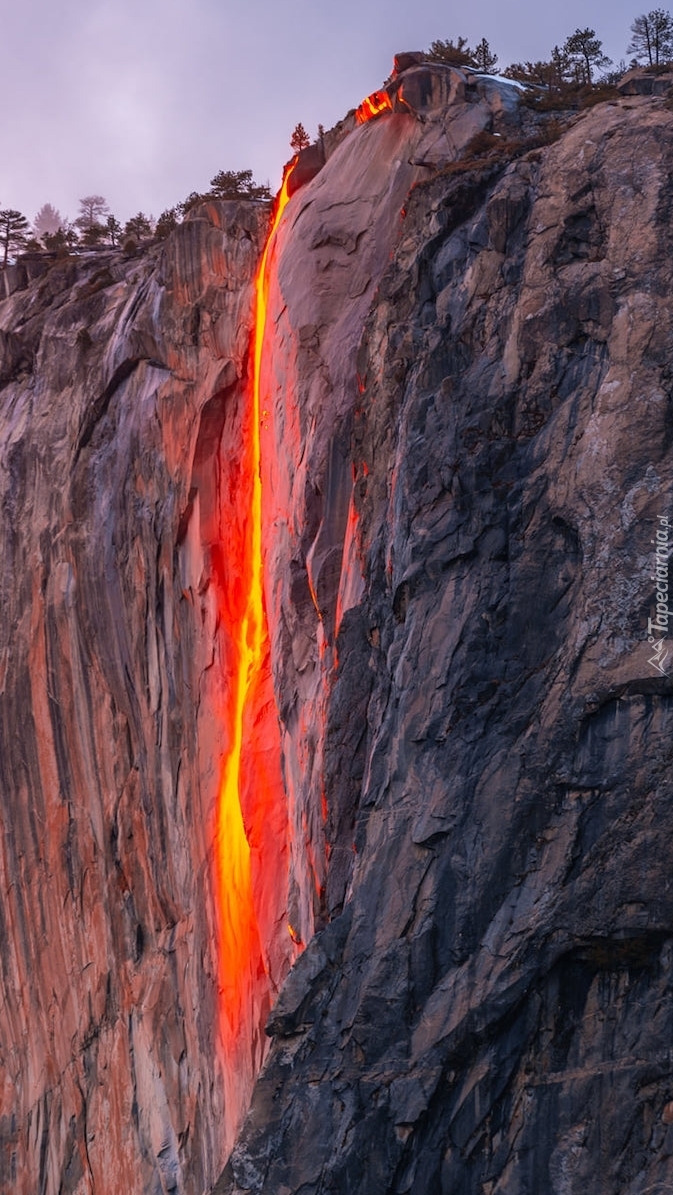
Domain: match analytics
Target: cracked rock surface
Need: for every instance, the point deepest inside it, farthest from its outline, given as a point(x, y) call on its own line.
point(121, 381)
point(489, 1009)
point(467, 459)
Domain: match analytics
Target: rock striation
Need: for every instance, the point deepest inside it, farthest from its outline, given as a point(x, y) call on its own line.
point(466, 439)
point(120, 429)
point(488, 1007)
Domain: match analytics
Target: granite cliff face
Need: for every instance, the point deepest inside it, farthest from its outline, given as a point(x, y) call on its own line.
point(118, 379)
point(466, 457)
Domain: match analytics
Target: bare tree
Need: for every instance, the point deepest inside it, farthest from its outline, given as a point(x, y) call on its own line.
point(652, 37)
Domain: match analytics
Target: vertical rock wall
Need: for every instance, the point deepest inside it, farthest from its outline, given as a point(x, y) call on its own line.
point(331, 252)
point(466, 458)
point(489, 1010)
point(120, 432)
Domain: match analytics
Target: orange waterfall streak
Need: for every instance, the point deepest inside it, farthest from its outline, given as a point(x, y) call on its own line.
point(373, 105)
point(241, 953)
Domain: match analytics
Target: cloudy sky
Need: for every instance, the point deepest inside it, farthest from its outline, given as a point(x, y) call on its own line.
point(143, 101)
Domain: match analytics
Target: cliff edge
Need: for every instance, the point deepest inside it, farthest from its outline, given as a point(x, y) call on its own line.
point(467, 474)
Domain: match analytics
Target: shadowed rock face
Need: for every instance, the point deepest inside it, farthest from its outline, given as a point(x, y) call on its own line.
point(466, 453)
point(490, 1007)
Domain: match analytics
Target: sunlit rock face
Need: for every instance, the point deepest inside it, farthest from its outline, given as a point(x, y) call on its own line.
point(121, 410)
point(327, 260)
point(129, 1048)
point(465, 426)
point(470, 473)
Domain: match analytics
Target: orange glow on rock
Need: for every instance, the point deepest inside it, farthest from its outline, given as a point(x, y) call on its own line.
point(294, 935)
point(373, 105)
point(251, 816)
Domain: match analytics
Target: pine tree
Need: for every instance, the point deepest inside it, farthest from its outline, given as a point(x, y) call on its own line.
point(585, 51)
point(113, 229)
point(540, 74)
point(299, 139)
point(138, 226)
point(652, 37)
point(560, 64)
point(47, 221)
point(56, 242)
point(93, 210)
point(93, 235)
point(167, 221)
point(484, 60)
point(453, 53)
point(13, 232)
point(237, 184)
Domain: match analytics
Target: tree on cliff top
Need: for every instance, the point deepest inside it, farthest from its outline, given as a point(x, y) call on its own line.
point(238, 184)
point(13, 232)
point(453, 53)
point(484, 60)
point(584, 51)
point(652, 37)
point(112, 230)
point(299, 139)
point(167, 221)
point(47, 221)
point(139, 226)
point(93, 210)
point(539, 74)
point(227, 184)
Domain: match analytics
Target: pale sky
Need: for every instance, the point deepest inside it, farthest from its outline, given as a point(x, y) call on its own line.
point(143, 101)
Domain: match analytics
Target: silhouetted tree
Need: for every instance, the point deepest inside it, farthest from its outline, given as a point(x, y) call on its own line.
point(138, 226)
point(539, 74)
point(237, 184)
point(652, 37)
point(561, 65)
point(454, 53)
point(191, 201)
point(167, 221)
point(92, 237)
point(57, 241)
point(483, 58)
point(299, 139)
point(13, 232)
point(112, 230)
point(584, 51)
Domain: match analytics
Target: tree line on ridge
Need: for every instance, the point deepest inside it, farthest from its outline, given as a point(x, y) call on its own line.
point(569, 69)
